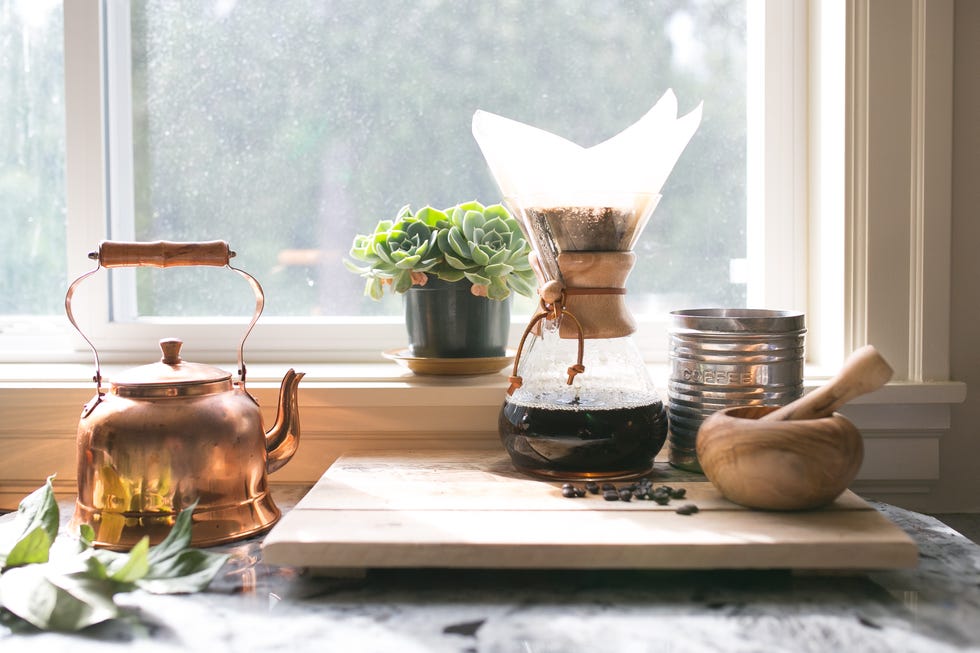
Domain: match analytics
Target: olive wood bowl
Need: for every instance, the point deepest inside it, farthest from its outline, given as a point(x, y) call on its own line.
point(776, 464)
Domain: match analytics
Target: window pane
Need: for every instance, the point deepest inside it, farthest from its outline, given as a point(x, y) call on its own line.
point(286, 128)
point(32, 160)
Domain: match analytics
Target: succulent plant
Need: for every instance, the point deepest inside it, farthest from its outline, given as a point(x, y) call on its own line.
point(483, 245)
point(398, 253)
point(486, 246)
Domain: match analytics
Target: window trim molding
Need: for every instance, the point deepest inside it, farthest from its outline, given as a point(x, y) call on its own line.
point(898, 178)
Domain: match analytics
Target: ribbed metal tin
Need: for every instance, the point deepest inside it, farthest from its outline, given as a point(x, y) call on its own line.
point(723, 357)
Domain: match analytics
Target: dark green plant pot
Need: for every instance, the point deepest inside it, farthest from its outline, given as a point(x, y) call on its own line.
point(446, 320)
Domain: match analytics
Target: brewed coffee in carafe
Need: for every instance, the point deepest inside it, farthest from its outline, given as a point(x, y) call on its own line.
point(580, 404)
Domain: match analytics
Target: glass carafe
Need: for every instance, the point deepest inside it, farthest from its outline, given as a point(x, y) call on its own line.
point(580, 403)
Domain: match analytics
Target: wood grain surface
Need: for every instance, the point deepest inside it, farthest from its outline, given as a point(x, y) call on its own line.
point(472, 510)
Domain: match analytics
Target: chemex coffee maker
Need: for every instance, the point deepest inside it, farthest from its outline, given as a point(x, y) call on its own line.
point(581, 404)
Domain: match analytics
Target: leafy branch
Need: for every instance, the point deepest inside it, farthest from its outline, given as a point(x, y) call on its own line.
point(78, 591)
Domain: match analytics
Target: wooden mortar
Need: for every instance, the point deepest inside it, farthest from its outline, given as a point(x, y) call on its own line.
point(796, 457)
point(778, 465)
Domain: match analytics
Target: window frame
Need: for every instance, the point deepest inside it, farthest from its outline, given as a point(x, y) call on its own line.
point(888, 284)
point(340, 339)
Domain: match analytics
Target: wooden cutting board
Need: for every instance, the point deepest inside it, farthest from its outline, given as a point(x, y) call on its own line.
point(473, 510)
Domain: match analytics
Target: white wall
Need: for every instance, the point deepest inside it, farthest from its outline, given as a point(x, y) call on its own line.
point(958, 489)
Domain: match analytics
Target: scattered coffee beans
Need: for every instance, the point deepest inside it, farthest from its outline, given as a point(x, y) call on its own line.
point(642, 490)
point(569, 491)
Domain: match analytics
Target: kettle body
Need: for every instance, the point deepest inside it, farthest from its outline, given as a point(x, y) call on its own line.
point(174, 435)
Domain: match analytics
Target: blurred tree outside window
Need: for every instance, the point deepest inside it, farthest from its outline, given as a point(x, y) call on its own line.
point(32, 159)
point(287, 127)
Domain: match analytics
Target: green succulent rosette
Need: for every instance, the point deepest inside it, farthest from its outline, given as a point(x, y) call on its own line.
point(395, 254)
point(483, 245)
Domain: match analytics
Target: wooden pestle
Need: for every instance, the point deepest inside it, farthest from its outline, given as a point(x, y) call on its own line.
point(864, 370)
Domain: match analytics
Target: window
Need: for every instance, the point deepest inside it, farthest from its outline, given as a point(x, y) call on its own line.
point(287, 131)
point(287, 128)
point(32, 161)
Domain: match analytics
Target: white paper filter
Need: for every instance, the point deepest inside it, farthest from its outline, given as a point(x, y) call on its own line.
point(528, 161)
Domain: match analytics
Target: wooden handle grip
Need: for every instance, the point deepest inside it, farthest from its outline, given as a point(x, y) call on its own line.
point(163, 254)
point(864, 371)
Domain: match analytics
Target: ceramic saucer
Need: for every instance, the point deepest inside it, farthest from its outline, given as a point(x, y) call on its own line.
point(450, 366)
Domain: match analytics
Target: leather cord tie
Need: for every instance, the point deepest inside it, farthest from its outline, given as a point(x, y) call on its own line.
point(595, 291)
point(553, 308)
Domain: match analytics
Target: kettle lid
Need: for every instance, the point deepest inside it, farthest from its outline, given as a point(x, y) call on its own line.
point(171, 370)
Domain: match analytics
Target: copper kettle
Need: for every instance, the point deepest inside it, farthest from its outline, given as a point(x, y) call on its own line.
point(166, 435)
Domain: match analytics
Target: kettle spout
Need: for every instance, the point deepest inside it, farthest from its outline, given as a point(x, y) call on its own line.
point(282, 440)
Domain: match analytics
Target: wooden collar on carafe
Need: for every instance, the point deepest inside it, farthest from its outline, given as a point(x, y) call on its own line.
point(593, 288)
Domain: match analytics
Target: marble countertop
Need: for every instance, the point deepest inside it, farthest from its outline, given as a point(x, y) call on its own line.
point(256, 607)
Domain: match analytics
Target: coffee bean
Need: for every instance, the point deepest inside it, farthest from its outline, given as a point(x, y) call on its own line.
point(687, 509)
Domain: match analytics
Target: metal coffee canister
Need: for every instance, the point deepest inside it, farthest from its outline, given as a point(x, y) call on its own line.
point(723, 357)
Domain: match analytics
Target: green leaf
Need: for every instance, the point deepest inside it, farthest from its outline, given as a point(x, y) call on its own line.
point(523, 283)
point(177, 540)
point(430, 216)
point(190, 570)
point(442, 240)
point(373, 289)
point(457, 241)
point(479, 256)
point(477, 279)
point(45, 597)
point(30, 549)
point(53, 602)
point(457, 263)
point(383, 226)
point(381, 251)
point(134, 566)
point(498, 290)
point(402, 282)
point(37, 510)
point(498, 211)
point(499, 257)
point(86, 537)
point(471, 206)
point(472, 220)
point(496, 225)
point(498, 270)
point(407, 262)
point(447, 273)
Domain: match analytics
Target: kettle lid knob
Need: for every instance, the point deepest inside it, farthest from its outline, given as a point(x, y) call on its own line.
point(171, 350)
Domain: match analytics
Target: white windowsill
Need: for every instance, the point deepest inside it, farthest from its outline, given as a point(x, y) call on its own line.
point(48, 377)
point(382, 406)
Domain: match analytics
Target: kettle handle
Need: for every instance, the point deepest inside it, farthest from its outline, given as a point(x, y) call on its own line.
point(165, 254)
